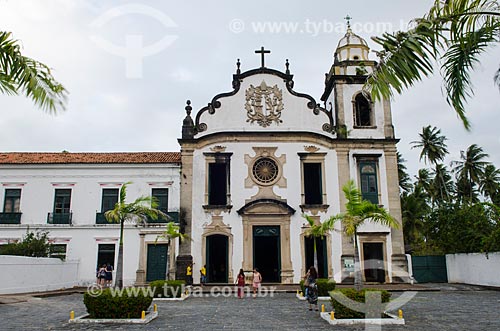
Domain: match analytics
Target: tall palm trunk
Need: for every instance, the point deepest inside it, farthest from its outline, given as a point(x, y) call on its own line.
point(358, 282)
point(315, 255)
point(119, 263)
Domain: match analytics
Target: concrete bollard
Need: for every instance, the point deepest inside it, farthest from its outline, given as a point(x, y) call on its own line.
point(155, 307)
point(322, 308)
point(72, 315)
point(400, 314)
point(143, 315)
point(332, 315)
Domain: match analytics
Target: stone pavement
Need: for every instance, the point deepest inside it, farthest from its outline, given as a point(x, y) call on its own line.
point(428, 311)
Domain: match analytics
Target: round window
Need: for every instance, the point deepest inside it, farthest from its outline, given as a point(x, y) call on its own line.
point(265, 170)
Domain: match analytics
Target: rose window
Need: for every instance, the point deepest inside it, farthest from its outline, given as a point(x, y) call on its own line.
point(265, 170)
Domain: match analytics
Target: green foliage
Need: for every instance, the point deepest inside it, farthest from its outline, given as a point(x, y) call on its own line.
point(167, 288)
point(33, 244)
point(342, 311)
point(118, 306)
point(19, 73)
point(325, 285)
point(454, 33)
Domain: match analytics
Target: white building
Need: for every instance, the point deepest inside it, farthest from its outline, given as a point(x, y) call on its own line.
point(67, 193)
point(251, 164)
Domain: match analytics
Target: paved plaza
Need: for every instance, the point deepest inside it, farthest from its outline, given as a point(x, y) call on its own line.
point(429, 311)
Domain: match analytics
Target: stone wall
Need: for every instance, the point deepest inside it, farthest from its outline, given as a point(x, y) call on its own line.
point(474, 268)
point(20, 274)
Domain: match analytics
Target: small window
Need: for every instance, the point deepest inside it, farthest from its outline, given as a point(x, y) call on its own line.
point(161, 195)
point(109, 199)
point(217, 183)
point(313, 191)
point(62, 201)
point(362, 111)
point(369, 185)
point(12, 201)
point(58, 250)
point(355, 57)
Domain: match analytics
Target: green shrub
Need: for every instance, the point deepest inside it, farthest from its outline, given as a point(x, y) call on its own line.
point(167, 288)
point(324, 286)
point(129, 304)
point(342, 311)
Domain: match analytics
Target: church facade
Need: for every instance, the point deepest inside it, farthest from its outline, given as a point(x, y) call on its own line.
point(259, 157)
point(251, 164)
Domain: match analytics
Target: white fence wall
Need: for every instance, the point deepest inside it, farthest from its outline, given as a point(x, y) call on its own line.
point(474, 268)
point(19, 274)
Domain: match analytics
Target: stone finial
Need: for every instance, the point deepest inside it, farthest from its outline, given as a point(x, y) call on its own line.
point(188, 124)
point(287, 66)
point(188, 107)
point(238, 64)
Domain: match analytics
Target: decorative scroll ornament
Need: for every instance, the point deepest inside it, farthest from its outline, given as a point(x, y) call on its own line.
point(264, 104)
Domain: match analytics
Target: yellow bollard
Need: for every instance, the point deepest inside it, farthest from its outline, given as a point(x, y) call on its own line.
point(297, 292)
point(332, 315)
point(143, 315)
point(322, 308)
point(155, 307)
point(72, 315)
point(400, 314)
point(300, 293)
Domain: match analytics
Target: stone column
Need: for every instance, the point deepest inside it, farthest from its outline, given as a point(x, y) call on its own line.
point(399, 263)
point(186, 206)
point(388, 126)
point(140, 274)
point(344, 176)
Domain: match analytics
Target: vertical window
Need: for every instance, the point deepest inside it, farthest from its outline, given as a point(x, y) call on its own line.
point(362, 111)
point(62, 201)
point(313, 191)
point(217, 183)
point(161, 195)
point(12, 201)
point(369, 185)
point(109, 199)
point(105, 254)
point(58, 250)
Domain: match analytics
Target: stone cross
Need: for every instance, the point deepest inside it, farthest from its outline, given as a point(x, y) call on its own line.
point(262, 51)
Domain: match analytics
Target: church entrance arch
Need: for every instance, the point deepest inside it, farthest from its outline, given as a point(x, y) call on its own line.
point(266, 239)
point(266, 252)
point(217, 258)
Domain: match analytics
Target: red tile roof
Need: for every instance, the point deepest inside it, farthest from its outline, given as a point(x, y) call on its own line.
point(86, 158)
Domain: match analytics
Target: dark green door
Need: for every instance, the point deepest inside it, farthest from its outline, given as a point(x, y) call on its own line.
point(322, 255)
point(217, 258)
point(157, 262)
point(429, 269)
point(267, 253)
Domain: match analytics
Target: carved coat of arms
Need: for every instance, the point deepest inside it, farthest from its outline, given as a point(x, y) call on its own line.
point(264, 104)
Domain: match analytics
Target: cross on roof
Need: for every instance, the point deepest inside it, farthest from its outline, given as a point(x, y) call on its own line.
point(348, 19)
point(262, 51)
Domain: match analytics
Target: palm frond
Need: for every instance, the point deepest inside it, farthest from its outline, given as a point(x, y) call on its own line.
point(21, 73)
point(497, 78)
point(459, 61)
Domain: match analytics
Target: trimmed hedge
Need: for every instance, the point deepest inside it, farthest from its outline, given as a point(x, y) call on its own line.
point(342, 311)
point(324, 286)
point(129, 304)
point(167, 288)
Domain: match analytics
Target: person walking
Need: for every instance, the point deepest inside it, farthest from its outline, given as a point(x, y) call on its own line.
point(240, 281)
point(257, 280)
point(312, 289)
point(203, 275)
point(101, 275)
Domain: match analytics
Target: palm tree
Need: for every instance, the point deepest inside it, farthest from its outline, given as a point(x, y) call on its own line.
point(315, 231)
point(19, 73)
point(490, 182)
point(172, 231)
point(433, 145)
point(404, 178)
point(441, 183)
point(453, 33)
point(138, 210)
point(470, 169)
point(357, 212)
point(414, 210)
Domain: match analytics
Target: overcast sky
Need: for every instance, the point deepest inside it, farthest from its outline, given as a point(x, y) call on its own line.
point(137, 103)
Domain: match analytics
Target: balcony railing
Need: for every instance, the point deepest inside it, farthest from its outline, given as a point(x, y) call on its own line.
point(10, 218)
point(100, 219)
point(59, 218)
point(173, 217)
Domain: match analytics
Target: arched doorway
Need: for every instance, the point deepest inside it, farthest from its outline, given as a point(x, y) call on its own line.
point(217, 258)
